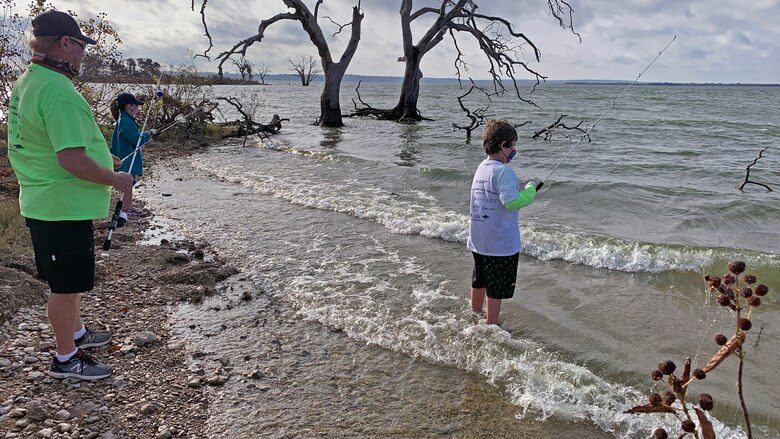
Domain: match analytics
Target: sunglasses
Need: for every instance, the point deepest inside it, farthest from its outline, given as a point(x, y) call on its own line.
point(82, 44)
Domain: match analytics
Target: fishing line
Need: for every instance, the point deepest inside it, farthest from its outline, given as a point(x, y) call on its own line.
point(539, 186)
point(179, 119)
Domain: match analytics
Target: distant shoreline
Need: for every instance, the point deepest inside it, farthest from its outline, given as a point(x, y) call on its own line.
point(425, 80)
point(674, 84)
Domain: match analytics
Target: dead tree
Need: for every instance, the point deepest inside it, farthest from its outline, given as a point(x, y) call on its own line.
point(244, 67)
point(330, 109)
point(305, 67)
point(549, 130)
point(262, 71)
point(247, 126)
point(747, 180)
point(499, 42)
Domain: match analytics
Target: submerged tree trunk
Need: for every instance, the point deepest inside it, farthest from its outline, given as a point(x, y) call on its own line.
point(330, 109)
point(406, 108)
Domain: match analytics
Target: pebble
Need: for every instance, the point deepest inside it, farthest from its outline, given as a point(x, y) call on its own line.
point(145, 338)
point(35, 376)
point(62, 415)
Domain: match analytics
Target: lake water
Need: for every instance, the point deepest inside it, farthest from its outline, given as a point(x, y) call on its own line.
point(361, 230)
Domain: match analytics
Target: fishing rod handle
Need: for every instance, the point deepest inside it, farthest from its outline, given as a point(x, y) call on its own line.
point(114, 221)
point(539, 186)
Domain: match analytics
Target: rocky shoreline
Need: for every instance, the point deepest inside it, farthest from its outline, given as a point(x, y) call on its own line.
point(154, 392)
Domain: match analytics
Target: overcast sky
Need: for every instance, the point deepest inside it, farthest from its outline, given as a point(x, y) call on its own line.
point(734, 41)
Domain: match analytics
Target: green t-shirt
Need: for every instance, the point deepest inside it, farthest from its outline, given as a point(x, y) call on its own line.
point(47, 115)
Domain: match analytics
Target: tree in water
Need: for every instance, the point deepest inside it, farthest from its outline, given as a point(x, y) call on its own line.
point(496, 37)
point(262, 71)
point(305, 67)
point(330, 109)
point(244, 67)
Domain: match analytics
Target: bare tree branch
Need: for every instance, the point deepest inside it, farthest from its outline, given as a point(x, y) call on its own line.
point(341, 26)
point(205, 29)
point(477, 117)
point(548, 131)
point(559, 11)
point(747, 180)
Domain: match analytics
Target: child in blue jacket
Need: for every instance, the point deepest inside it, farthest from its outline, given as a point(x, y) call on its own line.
point(125, 109)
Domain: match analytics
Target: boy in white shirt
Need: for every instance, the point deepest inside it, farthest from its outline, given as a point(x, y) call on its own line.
point(494, 230)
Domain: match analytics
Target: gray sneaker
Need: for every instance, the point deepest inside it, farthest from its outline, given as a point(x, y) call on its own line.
point(93, 339)
point(81, 366)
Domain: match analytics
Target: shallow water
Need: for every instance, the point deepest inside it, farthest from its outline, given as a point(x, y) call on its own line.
point(362, 230)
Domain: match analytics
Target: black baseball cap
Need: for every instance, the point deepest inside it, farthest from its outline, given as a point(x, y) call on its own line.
point(126, 98)
point(53, 23)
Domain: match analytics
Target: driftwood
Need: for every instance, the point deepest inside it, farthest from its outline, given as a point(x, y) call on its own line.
point(747, 173)
point(248, 126)
point(548, 131)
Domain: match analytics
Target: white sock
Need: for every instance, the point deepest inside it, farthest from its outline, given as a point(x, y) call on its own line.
point(66, 357)
point(80, 333)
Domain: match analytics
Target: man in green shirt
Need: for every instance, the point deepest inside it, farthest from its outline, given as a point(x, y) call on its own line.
point(65, 175)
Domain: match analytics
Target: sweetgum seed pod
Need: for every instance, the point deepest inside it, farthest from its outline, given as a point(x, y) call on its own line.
point(723, 300)
point(729, 279)
point(721, 339)
point(749, 279)
point(736, 267)
point(688, 426)
point(744, 324)
point(655, 399)
point(713, 281)
point(699, 374)
point(730, 294)
point(668, 398)
point(660, 433)
point(706, 402)
point(656, 375)
point(761, 290)
point(746, 292)
point(754, 301)
point(667, 367)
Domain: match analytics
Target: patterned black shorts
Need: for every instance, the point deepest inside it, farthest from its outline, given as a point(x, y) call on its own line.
point(497, 274)
point(64, 254)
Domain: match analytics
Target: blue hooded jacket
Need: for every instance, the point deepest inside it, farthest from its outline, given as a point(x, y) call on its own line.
point(124, 141)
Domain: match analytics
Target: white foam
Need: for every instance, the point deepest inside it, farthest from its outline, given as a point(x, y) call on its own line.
point(413, 213)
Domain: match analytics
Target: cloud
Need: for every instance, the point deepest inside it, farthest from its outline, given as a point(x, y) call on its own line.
point(733, 42)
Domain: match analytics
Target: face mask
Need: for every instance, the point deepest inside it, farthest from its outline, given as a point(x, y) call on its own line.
point(511, 156)
point(61, 66)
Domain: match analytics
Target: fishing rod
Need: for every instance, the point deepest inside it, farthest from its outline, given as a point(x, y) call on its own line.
point(539, 186)
point(179, 119)
point(118, 209)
